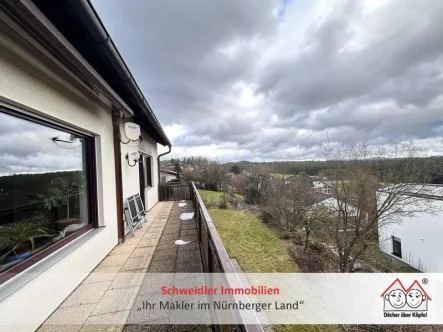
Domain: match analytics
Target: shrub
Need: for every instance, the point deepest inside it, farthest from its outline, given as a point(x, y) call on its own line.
point(286, 235)
point(268, 218)
point(298, 239)
point(312, 260)
point(222, 203)
point(253, 194)
point(206, 203)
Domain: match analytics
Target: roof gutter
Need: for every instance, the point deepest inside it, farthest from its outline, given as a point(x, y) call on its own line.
point(26, 13)
point(90, 19)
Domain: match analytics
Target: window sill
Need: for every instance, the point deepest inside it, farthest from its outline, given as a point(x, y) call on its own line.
point(18, 280)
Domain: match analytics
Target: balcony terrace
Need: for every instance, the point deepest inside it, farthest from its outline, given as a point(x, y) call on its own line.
point(107, 300)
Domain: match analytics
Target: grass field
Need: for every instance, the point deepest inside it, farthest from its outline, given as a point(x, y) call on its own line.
point(251, 243)
point(257, 249)
point(209, 196)
point(212, 197)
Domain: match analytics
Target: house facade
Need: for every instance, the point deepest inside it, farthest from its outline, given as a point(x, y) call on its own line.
point(416, 239)
point(321, 187)
point(68, 158)
point(331, 205)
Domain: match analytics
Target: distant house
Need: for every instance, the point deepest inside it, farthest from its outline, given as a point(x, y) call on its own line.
point(322, 187)
point(167, 175)
point(417, 239)
point(331, 204)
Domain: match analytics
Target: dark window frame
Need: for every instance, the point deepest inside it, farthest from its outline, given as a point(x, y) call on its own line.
point(146, 165)
point(396, 240)
point(148, 171)
point(91, 174)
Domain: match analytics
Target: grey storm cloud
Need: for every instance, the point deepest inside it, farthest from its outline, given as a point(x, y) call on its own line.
point(265, 80)
point(401, 61)
point(173, 47)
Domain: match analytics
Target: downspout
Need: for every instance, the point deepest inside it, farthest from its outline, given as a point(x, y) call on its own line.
point(118, 177)
point(158, 162)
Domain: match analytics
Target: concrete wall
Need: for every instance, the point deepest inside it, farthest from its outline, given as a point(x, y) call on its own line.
point(30, 82)
point(421, 242)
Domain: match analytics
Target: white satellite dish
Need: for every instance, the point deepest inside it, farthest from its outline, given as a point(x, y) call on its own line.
point(132, 131)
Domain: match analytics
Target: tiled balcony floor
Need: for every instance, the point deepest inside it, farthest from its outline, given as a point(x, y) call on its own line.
point(105, 299)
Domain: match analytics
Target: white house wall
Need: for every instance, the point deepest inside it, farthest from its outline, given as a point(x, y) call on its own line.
point(149, 146)
point(421, 240)
point(131, 176)
point(331, 205)
point(31, 82)
point(318, 184)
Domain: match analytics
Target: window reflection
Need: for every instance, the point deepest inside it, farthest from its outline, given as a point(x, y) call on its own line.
point(43, 187)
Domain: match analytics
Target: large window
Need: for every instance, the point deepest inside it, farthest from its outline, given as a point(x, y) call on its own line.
point(396, 246)
point(46, 189)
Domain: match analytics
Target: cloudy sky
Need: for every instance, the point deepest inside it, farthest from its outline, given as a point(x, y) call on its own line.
point(273, 79)
point(27, 147)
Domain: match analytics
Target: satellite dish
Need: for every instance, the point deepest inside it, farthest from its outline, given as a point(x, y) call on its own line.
point(132, 131)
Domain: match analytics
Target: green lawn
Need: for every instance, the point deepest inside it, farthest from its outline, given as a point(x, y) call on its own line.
point(212, 197)
point(209, 196)
point(257, 249)
point(251, 243)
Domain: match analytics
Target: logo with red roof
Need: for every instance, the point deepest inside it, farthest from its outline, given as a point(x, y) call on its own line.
point(399, 298)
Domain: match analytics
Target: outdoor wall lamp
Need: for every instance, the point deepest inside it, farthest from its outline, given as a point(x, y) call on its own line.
point(134, 156)
point(72, 139)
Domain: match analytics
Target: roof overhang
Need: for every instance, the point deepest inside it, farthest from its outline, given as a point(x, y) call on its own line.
point(63, 28)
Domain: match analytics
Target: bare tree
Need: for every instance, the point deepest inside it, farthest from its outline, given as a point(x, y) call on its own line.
point(190, 175)
point(213, 175)
point(258, 175)
point(239, 183)
point(292, 205)
point(373, 188)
